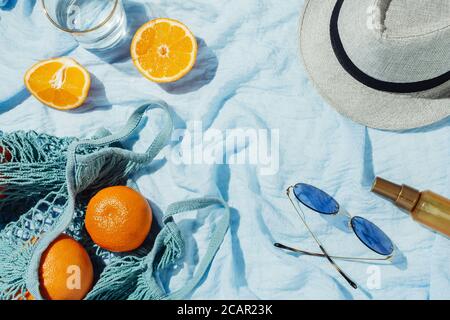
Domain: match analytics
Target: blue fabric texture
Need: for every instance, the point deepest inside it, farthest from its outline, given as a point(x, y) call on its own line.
point(372, 236)
point(248, 75)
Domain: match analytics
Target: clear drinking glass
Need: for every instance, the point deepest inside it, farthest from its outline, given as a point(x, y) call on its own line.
point(95, 24)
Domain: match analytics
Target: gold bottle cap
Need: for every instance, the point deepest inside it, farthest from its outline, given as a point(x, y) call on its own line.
point(403, 196)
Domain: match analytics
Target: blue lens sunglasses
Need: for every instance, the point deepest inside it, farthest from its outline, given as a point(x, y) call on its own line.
point(321, 202)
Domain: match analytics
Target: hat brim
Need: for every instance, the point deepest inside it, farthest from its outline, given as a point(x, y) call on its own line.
point(375, 109)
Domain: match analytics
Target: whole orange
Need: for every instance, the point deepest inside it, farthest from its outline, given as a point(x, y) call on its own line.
point(118, 219)
point(65, 271)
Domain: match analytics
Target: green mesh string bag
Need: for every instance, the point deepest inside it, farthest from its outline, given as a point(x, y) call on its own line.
point(31, 166)
point(60, 175)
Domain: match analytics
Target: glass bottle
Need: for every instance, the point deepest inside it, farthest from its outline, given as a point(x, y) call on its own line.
point(427, 207)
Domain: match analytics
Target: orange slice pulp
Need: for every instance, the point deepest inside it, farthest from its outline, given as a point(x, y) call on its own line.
point(60, 83)
point(164, 50)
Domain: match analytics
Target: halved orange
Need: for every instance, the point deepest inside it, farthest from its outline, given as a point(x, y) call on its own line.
point(164, 50)
point(60, 83)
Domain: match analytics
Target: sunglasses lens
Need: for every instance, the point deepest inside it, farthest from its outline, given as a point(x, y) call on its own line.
point(316, 199)
point(372, 236)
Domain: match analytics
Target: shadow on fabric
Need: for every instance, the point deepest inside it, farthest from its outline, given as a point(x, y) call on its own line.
point(202, 74)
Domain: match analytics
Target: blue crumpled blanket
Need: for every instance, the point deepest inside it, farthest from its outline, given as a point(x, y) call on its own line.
point(248, 76)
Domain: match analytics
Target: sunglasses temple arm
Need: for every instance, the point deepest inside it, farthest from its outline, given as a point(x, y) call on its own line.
point(320, 255)
point(342, 273)
point(314, 254)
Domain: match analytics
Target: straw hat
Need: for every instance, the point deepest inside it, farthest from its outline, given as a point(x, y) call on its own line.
point(382, 63)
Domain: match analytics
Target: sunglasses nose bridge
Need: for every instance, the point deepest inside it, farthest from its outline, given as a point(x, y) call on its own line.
point(345, 217)
point(349, 225)
point(343, 212)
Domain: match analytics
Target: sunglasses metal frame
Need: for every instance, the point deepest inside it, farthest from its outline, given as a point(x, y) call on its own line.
point(324, 253)
point(350, 225)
